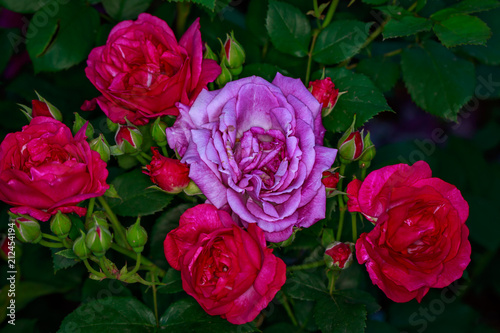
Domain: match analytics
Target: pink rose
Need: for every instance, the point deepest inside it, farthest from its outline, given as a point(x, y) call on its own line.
point(228, 270)
point(420, 237)
point(44, 169)
point(169, 174)
point(143, 71)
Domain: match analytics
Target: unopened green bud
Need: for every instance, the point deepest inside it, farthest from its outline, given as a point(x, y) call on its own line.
point(224, 77)
point(60, 225)
point(233, 54)
point(97, 218)
point(99, 240)
point(236, 71)
point(368, 153)
point(129, 139)
point(209, 54)
point(101, 146)
point(158, 132)
point(27, 229)
point(79, 123)
point(80, 247)
point(137, 236)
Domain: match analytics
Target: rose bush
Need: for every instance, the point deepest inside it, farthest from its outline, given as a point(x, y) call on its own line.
point(228, 270)
point(44, 169)
point(257, 148)
point(420, 239)
point(142, 71)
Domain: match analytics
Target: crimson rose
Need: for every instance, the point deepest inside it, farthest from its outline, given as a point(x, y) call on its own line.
point(420, 237)
point(228, 270)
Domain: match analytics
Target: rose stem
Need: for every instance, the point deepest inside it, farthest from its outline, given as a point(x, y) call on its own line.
point(131, 254)
point(305, 266)
point(164, 151)
point(146, 156)
point(102, 263)
point(182, 14)
point(117, 227)
point(332, 284)
point(141, 159)
point(90, 208)
point(136, 268)
point(91, 270)
point(341, 201)
point(54, 238)
point(363, 174)
point(288, 309)
point(354, 228)
point(329, 14)
point(50, 244)
point(153, 277)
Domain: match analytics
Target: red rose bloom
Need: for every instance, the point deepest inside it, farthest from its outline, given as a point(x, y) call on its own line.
point(228, 270)
point(169, 174)
point(420, 239)
point(44, 169)
point(143, 71)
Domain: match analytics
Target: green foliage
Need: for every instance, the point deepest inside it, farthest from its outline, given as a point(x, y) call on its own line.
point(125, 9)
point(136, 198)
point(337, 314)
point(339, 41)
point(383, 72)
point(288, 28)
point(462, 29)
point(67, 37)
point(438, 81)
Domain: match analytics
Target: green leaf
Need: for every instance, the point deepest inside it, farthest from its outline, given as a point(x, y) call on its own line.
point(438, 81)
point(209, 4)
point(63, 259)
point(339, 315)
point(381, 70)
point(362, 98)
point(256, 22)
point(339, 41)
point(465, 7)
point(357, 296)
point(406, 26)
point(187, 316)
point(67, 37)
point(288, 28)
point(462, 29)
point(305, 285)
point(125, 9)
point(136, 198)
point(173, 282)
point(489, 54)
point(375, 2)
point(488, 82)
point(110, 314)
point(23, 6)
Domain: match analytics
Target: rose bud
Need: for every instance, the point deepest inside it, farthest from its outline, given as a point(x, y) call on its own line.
point(7, 246)
point(99, 240)
point(352, 148)
point(224, 77)
point(27, 229)
point(80, 248)
point(324, 91)
point(339, 255)
point(60, 225)
point(97, 218)
point(43, 109)
point(129, 139)
point(79, 123)
point(330, 179)
point(233, 54)
point(158, 132)
point(101, 145)
point(209, 54)
point(89, 105)
point(169, 174)
point(368, 153)
point(137, 236)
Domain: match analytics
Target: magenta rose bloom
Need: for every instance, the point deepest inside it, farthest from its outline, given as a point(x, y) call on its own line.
point(142, 71)
point(257, 148)
point(228, 270)
point(44, 169)
point(420, 239)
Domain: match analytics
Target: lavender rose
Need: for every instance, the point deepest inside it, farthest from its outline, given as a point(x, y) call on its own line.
point(255, 148)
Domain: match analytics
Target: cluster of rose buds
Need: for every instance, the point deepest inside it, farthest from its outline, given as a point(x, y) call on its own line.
point(355, 146)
